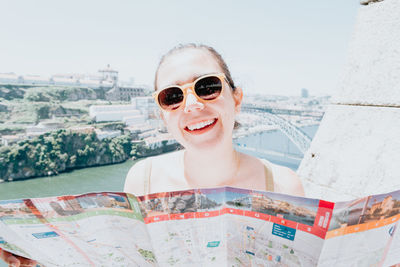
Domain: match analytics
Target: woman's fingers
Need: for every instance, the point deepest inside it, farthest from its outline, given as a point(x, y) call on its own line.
point(9, 258)
point(16, 261)
point(24, 262)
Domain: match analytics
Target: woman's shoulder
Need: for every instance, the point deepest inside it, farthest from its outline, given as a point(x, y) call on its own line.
point(286, 181)
point(139, 174)
point(136, 177)
point(165, 160)
point(158, 161)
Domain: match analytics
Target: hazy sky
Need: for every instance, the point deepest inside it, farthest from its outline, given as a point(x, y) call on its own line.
point(272, 47)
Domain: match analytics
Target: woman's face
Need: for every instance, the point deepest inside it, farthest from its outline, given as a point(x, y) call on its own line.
point(198, 125)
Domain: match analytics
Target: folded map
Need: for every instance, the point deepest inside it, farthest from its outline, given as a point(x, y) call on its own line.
point(202, 227)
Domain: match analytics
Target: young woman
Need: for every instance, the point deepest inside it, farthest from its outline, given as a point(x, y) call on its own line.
point(198, 102)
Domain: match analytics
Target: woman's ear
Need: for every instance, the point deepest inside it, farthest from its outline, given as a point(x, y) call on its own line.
point(237, 97)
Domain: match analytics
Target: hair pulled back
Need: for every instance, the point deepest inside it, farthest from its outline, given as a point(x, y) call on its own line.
point(212, 51)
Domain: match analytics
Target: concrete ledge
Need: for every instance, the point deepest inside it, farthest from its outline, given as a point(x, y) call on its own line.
point(355, 152)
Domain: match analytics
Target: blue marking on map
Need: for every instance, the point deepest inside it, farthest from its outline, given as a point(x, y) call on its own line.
point(251, 253)
point(1, 240)
point(283, 231)
point(213, 244)
point(249, 228)
point(391, 230)
point(12, 201)
point(45, 235)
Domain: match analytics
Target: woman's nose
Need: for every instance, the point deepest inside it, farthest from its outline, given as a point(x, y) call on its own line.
point(191, 103)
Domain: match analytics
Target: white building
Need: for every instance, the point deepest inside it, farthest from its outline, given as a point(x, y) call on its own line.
point(109, 74)
point(64, 81)
point(43, 127)
point(134, 120)
point(114, 113)
point(106, 78)
point(35, 80)
point(155, 142)
point(10, 78)
point(106, 134)
point(145, 104)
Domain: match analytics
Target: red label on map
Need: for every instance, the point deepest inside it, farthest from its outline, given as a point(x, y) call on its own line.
point(182, 216)
point(284, 222)
point(205, 214)
point(257, 215)
point(232, 211)
point(154, 219)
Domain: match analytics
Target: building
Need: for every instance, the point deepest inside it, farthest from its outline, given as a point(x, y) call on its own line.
point(119, 93)
point(384, 206)
point(62, 80)
point(146, 105)
point(158, 141)
point(134, 120)
point(43, 127)
point(36, 80)
point(10, 78)
point(113, 112)
point(106, 80)
point(106, 134)
point(109, 74)
point(82, 129)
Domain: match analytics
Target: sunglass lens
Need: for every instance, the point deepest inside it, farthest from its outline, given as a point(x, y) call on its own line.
point(170, 98)
point(208, 88)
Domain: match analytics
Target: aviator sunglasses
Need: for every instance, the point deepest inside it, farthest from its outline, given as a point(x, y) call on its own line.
point(205, 88)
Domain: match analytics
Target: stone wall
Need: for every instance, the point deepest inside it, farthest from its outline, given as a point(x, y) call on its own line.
point(356, 151)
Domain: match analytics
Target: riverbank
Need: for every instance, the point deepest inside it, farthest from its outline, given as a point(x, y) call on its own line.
point(64, 150)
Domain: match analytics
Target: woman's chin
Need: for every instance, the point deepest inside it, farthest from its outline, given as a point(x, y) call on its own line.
point(206, 142)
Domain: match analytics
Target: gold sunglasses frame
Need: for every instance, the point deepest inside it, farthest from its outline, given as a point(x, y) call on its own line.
point(187, 86)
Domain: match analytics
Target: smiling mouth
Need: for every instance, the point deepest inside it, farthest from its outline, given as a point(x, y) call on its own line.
point(201, 126)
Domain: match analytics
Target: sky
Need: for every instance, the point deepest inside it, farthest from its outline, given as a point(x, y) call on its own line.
point(271, 47)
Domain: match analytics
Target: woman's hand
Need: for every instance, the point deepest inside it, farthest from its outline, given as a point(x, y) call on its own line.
point(16, 261)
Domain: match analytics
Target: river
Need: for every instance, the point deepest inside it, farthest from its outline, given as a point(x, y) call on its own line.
point(103, 178)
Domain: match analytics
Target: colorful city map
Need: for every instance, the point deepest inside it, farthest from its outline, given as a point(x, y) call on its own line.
point(202, 227)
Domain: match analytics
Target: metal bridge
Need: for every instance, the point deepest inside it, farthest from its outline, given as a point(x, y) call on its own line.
point(254, 108)
point(295, 134)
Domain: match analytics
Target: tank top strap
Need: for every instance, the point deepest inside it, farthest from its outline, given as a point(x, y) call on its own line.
point(147, 176)
point(269, 176)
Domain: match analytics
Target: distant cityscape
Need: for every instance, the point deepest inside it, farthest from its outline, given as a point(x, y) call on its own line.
point(31, 106)
point(106, 79)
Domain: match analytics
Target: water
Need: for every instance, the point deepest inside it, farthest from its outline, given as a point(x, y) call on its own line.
point(275, 146)
point(104, 178)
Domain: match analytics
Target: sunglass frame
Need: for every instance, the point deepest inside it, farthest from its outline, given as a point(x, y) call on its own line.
point(187, 86)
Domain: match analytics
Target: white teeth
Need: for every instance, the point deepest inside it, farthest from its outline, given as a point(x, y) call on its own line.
point(200, 125)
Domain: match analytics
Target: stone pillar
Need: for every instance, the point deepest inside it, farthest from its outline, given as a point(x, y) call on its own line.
point(356, 151)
